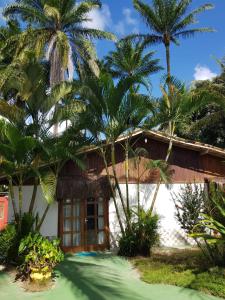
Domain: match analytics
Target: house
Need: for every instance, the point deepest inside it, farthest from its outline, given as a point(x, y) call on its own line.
point(84, 214)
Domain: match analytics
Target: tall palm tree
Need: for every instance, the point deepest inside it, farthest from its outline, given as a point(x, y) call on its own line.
point(168, 21)
point(113, 111)
point(58, 29)
point(129, 59)
point(176, 104)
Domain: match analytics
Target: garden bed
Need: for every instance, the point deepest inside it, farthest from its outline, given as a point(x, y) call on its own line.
point(183, 268)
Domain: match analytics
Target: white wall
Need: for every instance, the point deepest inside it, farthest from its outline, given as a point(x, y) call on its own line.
point(170, 232)
point(171, 235)
point(50, 225)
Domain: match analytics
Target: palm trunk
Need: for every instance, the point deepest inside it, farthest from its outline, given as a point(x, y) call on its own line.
point(169, 151)
point(57, 75)
point(168, 62)
point(138, 192)
point(113, 193)
point(43, 218)
point(33, 198)
point(127, 175)
point(12, 196)
point(20, 197)
point(118, 186)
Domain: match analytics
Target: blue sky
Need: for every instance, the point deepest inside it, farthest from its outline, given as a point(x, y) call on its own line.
point(193, 59)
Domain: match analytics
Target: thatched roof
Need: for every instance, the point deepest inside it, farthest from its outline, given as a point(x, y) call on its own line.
point(82, 187)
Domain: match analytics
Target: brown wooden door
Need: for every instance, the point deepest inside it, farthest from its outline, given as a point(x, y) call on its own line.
point(84, 224)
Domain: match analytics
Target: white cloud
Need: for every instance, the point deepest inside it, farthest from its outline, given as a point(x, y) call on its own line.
point(127, 12)
point(128, 25)
point(203, 73)
point(120, 28)
point(99, 18)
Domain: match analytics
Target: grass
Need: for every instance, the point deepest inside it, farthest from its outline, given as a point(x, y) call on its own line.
point(184, 269)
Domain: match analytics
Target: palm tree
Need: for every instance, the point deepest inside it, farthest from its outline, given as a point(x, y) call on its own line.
point(129, 59)
point(29, 104)
point(171, 109)
point(168, 21)
point(58, 28)
point(30, 115)
point(111, 112)
point(8, 32)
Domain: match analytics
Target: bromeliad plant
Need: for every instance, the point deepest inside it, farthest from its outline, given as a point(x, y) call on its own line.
point(39, 256)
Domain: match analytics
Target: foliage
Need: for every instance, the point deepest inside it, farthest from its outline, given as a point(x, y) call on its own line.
point(207, 123)
point(40, 256)
point(11, 236)
point(142, 237)
point(190, 203)
point(59, 30)
point(214, 225)
point(129, 59)
point(183, 268)
point(8, 238)
point(202, 217)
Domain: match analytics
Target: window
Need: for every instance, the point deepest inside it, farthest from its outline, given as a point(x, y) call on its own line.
point(1, 211)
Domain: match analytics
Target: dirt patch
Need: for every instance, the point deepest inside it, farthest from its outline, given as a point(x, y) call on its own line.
point(29, 286)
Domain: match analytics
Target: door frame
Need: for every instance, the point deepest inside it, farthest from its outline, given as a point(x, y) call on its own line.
point(85, 247)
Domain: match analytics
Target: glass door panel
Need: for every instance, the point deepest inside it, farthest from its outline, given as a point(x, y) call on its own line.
point(95, 221)
point(71, 226)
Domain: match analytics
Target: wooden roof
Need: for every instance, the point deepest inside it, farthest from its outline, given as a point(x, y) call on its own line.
point(177, 141)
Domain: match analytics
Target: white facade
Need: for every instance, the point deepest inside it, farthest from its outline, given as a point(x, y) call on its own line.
point(50, 225)
point(170, 232)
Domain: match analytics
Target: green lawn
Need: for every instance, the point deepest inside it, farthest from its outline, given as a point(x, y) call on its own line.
point(184, 269)
point(104, 277)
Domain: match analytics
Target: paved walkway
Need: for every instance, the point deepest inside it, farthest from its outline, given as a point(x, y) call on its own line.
point(102, 277)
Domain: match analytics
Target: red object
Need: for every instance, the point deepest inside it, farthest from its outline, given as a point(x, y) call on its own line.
point(3, 212)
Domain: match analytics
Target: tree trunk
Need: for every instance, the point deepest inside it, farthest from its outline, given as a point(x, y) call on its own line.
point(138, 191)
point(20, 196)
point(118, 186)
point(127, 175)
point(169, 150)
point(12, 196)
point(168, 62)
point(113, 192)
point(33, 198)
point(57, 72)
point(43, 218)
point(57, 75)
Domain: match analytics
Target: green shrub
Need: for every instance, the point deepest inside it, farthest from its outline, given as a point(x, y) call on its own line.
point(8, 241)
point(202, 216)
point(40, 256)
point(142, 236)
point(11, 236)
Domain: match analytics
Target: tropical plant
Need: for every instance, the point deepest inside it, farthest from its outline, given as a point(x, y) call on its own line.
point(213, 224)
point(201, 216)
point(11, 237)
point(136, 156)
point(29, 112)
point(130, 59)
point(111, 112)
point(39, 256)
point(168, 21)
point(58, 28)
point(7, 243)
point(207, 124)
point(16, 154)
point(142, 237)
point(190, 202)
point(7, 52)
point(168, 115)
